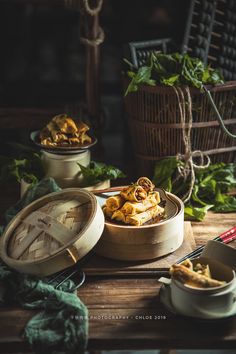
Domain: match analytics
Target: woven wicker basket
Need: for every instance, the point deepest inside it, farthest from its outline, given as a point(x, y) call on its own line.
point(155, 124)
point(53, 233)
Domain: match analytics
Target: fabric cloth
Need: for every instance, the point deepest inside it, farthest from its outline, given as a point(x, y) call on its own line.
point(61, 326)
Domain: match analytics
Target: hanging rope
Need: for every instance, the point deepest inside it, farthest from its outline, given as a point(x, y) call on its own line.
point(84, 6)
point(220, 120)
point(187, 168)
point(92, 11)
point(96, 41)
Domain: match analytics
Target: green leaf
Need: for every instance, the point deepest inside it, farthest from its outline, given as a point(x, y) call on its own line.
point(143, 76)
point(225, 204)
point(209, 191)
point(170, 80)
point(206, 76)
point(97, 172)
point(173, 70)
point(195, 196)
point(163, 172)
point(215, 77)
point(131, 74)
point(30, 178)
point(195, 213)
point(14, 169)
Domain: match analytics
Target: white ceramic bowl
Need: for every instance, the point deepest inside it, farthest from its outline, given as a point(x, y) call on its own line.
point(210, 303)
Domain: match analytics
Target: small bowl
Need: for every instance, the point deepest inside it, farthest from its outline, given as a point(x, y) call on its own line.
point(62, 150)
point(214, 302)
point(218, 270)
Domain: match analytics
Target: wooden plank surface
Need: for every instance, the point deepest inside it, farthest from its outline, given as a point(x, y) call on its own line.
point(125, 313)
point(97, 265)
point(213, 225)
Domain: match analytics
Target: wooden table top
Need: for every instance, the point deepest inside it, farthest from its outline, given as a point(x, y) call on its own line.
point(125, 312)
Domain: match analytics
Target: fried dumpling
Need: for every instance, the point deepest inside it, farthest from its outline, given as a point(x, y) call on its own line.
point(64, 131)
point(65, 124)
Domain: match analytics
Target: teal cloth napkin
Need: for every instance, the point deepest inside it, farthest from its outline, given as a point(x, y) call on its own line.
point(61, 326)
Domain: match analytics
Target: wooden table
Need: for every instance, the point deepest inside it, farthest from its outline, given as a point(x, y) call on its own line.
point(125, 312)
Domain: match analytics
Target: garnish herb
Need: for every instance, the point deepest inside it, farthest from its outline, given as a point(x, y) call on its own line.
point(173, 70)
point(25, 164)
point(210, 189)
point(98, 172)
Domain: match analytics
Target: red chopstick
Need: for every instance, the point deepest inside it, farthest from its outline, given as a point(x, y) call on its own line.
point(226, 237)
point(226, 234)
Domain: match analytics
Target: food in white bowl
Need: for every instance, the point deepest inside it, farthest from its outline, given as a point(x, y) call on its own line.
point(214, 301)
point(204, 299)
point(196, 275)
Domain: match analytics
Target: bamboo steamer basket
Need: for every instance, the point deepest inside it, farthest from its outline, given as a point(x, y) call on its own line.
point(53, 233)
point(139, 243)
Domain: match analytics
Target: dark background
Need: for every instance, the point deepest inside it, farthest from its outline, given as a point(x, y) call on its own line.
point(42, 63)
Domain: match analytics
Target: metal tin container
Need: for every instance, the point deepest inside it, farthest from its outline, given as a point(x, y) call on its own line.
point(64, 168)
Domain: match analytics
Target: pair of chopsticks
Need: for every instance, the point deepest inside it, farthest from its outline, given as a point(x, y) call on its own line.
point(59, 278)
point(227, 237)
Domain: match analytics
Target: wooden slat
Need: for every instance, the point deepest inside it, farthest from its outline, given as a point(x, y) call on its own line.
point(177, 332)
point(213, 225)
point(115, 302)
point(132, 328)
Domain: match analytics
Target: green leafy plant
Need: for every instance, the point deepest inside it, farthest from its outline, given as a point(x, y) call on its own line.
point(210, 189)
point(173, 70)
point(25, 164)
point(98, 172)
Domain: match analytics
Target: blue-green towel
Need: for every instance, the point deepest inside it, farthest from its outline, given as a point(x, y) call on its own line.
point(61, 322)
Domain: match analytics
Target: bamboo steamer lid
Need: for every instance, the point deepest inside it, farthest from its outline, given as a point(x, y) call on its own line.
point(53, 233)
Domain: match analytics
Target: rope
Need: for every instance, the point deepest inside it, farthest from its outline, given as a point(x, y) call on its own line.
point(187, 168)
point(218, 114)
point(92, 11)
point(84, 6)
point(96, 41)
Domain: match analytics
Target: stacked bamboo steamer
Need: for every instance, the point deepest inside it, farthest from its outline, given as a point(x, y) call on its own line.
point(53, 232)
point(147, 242)
point(56, 231)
